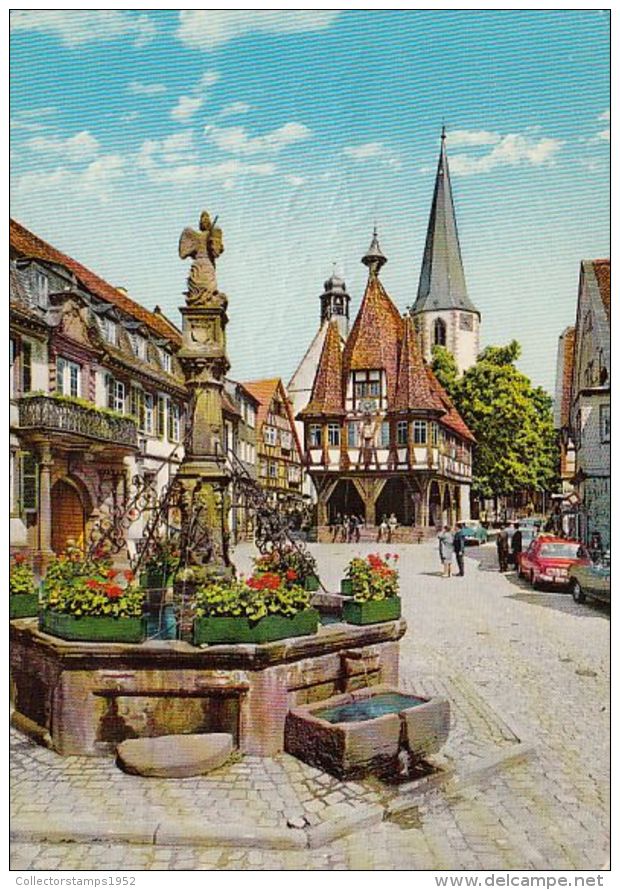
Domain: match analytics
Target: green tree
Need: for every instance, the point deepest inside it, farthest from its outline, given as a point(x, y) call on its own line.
point(512, 421)
point(445, 369)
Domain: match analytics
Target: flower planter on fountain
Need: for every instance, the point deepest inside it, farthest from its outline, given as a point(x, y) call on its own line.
point(23, 594)
point(373, 585)
point(88, 600)
point(312, 583)
point(270, 605)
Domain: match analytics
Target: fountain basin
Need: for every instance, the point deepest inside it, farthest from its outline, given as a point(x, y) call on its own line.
point(360, 732)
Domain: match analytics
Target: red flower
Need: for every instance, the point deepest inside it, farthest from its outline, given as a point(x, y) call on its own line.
point(128, 574)
point(111, 573)
point(113, 591)
point(20, 558)
point(291, 575)
point(93, 584)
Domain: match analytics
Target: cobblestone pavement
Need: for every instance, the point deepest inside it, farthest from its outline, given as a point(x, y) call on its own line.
point(507, 658)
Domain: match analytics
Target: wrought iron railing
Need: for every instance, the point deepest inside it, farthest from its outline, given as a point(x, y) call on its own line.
point(55, 415)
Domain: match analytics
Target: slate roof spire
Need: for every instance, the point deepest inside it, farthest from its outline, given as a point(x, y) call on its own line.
point(327, 394)
point(374, 257)
point(442, 279)
point(413, 388)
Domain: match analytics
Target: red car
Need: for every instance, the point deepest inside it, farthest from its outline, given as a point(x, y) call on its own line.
point(548, 560)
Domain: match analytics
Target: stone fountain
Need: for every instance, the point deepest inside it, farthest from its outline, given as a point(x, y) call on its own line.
point(86, 698)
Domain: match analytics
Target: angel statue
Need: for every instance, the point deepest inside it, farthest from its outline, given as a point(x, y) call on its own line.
point(204, 246)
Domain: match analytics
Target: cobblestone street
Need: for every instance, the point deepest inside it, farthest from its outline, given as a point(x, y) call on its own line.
point(512, 662)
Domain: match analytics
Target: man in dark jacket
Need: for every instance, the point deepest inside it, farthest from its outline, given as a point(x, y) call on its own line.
point(517, 545)
point(502, 549)
point(459, 548)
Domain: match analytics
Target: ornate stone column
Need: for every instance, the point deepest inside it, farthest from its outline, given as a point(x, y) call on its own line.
point(202, 474)
point(46, 462)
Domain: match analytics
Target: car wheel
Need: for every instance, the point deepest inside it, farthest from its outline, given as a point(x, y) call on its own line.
point(578, 594)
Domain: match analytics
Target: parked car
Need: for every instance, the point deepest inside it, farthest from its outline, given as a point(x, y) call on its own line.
point(549, 559)
point(474, 532)
point(591, 581)
point(527, 536)
point(532, 522)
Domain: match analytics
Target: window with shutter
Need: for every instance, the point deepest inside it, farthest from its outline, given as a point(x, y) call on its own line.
point(26, 366)
point(60, 375)
point(161, 417)
point(28, 477)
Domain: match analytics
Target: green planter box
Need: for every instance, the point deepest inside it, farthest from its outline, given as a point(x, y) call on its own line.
point(312, 583)
point(346, 587)
point(217, 629)
point(23, 605)
point(372, 612)
point(156, 579)
point(93, 628)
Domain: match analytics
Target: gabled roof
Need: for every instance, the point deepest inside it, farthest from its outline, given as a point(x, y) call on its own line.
point(375, 335)
point(602, 270)
point(326, 395)
point(264, 392)
point(451, 418)
point(442, 278)
point(414, 389)
point(30, 245)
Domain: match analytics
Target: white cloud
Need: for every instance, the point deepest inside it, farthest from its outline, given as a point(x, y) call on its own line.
point(238, 141)
point(128, 116)
point(226, 172)
point(373, 151)
point(472, 137)
point(235, 108)
point(29, 119)
point(605, 135)
point(186, 107)
point(78, 26)
point(512, 150)
point(208, 79)
point(294, 180)
point(605, 115)
point(208, 29)
point(95, 181)
point(81, 147)
point(145, 89)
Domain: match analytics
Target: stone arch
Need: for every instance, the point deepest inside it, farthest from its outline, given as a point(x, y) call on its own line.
point(446, 507)
point(434, 504)
point(71, 506)
point(345, 499)
point(395, 498)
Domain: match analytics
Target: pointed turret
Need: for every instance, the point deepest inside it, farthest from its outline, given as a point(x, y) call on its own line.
point(326, 398)
point(413, 389)
point(442, 279)
point(374, 257)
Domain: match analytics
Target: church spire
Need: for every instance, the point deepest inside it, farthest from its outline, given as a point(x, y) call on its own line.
point(442, 279)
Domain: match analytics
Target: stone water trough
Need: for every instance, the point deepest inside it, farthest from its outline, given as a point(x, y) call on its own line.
point(367, 730)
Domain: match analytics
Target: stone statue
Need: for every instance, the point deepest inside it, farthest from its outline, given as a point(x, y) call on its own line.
point(204, 246)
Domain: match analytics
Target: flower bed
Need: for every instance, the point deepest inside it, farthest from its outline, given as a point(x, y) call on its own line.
point(270, 605)
point(87, 599)
point(373, 585)
point(23, 593)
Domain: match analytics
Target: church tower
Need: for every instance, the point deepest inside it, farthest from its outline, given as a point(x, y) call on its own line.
point(335, 303)
point(443, 314)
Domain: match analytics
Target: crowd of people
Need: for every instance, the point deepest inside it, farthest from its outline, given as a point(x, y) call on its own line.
point(346, 528)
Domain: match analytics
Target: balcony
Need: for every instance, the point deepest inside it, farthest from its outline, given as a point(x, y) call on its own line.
point(78, 424)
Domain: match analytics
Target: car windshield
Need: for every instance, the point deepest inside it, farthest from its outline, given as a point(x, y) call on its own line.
point(561, 550)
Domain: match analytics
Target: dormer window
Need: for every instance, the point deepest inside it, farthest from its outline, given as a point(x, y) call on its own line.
point(367, 390)
point(109, 331)
point(41, 289)
point(166, 361)
point(139, 346)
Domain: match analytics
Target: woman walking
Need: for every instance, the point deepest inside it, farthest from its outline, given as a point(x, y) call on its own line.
point(446, 550)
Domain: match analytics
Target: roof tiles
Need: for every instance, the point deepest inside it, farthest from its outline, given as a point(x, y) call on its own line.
point(327, 394)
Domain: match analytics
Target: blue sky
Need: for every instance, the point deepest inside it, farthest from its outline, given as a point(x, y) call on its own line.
point(300, 129)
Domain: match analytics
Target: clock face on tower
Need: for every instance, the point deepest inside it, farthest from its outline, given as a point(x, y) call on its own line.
point(466, 322)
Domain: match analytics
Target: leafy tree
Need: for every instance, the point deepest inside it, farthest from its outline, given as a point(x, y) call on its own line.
point(445, 369)
point(512, 421)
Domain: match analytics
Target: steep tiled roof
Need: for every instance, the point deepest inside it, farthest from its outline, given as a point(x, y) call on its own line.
point(451, 418)
point(375, 335)
point(326, 395)
point(26, 243)
point(413, 389)
point(568, 343)
point(264, 391)
point(602, 270)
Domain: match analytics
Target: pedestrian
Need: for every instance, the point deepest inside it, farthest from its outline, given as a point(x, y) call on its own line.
point(392, 524)
point(502, 548)
point(446, 550)
point(517, 545)
point(337, 527)
point(459, 548)
point(596, 547)
point(346, 528)
point(357, 521)
point(383, 530)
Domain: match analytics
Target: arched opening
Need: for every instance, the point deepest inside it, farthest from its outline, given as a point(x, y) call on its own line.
point(68, 515)
point(439, 332)
point(345, 500)
point(434, 505)
point(446, 507)
point(395, 498)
